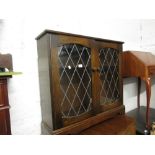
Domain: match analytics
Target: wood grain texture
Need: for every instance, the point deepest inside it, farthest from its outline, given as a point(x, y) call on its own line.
point(54, 121)
point(5, 127)
point(76, 35)
point(76, 128)
point(141, 65)
point(119, 125)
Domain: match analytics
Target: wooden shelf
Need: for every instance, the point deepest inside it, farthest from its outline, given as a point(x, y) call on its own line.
point(139, 115)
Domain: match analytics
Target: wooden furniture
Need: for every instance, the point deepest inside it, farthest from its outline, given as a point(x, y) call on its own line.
point(5, 63)
point(5, 126)
point(6, 71)
point(4, 108)
point(80, 81)
point(140, 65)
point(119, 125)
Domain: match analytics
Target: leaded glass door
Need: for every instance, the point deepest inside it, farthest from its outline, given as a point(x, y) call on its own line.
point(109, 76)
point(75, 80)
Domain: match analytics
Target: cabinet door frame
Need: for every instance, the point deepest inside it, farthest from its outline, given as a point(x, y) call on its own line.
point(57, 41)
point(117, 47)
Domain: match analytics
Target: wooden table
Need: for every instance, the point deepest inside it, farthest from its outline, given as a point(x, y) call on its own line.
point(141, 65)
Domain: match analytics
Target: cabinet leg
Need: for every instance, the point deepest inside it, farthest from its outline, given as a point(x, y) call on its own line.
point(139, 88)
point(148, 96)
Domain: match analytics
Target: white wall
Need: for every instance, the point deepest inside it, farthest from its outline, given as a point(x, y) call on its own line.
point(17, 36)
point(23, 89)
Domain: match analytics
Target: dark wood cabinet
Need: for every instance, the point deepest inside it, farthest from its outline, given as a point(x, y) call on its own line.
point(4, 108)
point(80, 81)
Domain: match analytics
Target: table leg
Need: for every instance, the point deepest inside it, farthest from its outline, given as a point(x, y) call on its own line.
point(148, 96)
point(139, 87)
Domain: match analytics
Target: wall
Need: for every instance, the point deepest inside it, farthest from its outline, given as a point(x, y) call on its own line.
point(23, 89)
point(17, 36)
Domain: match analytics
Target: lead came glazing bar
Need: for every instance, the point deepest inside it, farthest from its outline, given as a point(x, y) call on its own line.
point(75, 79)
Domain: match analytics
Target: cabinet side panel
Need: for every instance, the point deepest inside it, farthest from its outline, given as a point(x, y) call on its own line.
point(44, 82)
point(5, 128)
point(120, 47)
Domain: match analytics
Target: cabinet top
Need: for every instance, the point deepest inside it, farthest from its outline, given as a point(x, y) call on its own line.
point(76, 35)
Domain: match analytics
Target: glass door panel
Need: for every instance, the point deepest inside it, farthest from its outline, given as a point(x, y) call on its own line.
point(109, 75)
point(75, 79)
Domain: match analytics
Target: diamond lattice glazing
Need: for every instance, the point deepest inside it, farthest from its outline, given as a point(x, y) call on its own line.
point(75, 79)
point(109, 75)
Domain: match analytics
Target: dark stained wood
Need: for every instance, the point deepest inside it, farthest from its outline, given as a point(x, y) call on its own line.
point(71, 120)
point(96, 87)
point(141, 65)
point(80, 126)
point(53, 119)
point(119, 125)
point(110, 106)
point(63, 39)
point(120, 48)
point(56, 95)
point(56, 42)
point(5, 128)
point(76, 35)
point(5, 121)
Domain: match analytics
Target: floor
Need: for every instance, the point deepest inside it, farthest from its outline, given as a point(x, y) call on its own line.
point(139, 115)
